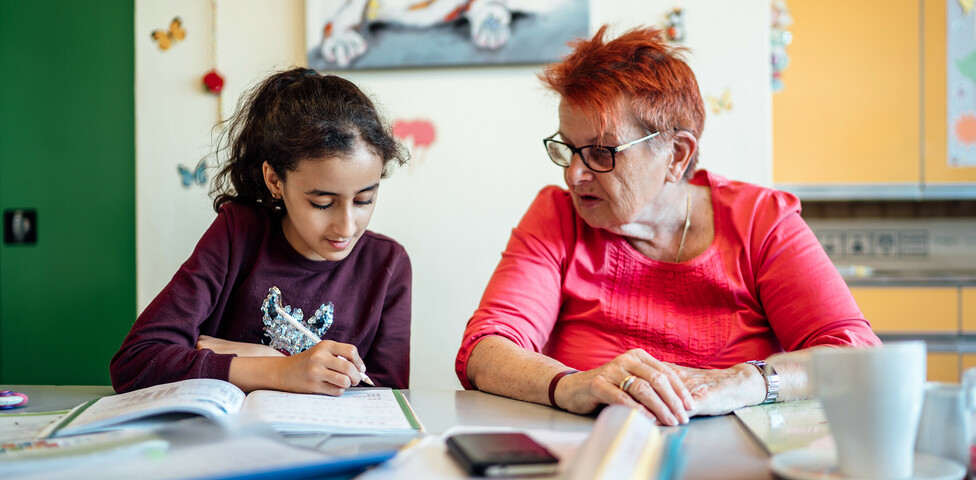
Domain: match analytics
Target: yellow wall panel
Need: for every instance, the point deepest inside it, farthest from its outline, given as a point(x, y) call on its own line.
point(850, 111)
point(969, 310)
point(943, 367)
point(968, 361)
point(909, 309)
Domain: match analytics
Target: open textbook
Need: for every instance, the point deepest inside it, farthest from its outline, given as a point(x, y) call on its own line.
point(360, 411)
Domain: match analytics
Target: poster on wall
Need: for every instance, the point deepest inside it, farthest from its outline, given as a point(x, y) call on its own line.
point(961, 88)
point(370, 34)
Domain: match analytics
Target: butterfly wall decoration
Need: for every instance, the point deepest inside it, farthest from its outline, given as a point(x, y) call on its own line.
point(166, 38)
point(194, 176)
point(721, 103)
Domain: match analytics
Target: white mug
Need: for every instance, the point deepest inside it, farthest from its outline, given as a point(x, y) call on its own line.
point(872, 398)
point(943, 430)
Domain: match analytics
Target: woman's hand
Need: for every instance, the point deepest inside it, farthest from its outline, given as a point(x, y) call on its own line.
point(241, 349)
point(719, 391)
point(328, 367)
point(656, 388)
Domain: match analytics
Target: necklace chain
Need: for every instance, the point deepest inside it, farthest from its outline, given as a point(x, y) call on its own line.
point(684, 232)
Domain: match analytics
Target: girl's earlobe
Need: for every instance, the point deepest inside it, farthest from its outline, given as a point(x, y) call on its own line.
point(276, 200)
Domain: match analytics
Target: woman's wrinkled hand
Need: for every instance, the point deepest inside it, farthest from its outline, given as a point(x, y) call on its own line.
point(719, 391)
point(656, 389)
point(241, 349)
point(328, 367)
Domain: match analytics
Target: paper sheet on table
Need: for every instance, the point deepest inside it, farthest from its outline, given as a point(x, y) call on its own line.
point(242, 456)
point(430, 460)
point(786, 426)
point(16, 426)
point(28, 457)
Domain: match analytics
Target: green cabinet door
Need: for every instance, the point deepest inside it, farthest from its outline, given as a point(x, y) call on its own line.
point(67, 151)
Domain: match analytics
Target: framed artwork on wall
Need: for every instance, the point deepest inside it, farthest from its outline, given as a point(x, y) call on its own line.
point(379, 34)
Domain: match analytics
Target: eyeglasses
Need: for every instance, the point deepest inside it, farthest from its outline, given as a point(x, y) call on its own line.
point(597, 158)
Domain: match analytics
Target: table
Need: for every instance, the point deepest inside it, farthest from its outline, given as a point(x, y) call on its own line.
point(715, 447)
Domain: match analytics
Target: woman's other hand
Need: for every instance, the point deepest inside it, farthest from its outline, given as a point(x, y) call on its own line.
point(328, 367)
point(657, 387)
point(241, 349)
point(719, 391)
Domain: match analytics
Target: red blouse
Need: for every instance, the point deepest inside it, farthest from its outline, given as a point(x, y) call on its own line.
point(584, 296)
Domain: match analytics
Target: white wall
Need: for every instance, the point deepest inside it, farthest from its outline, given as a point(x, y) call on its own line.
point(175, 116)
point(454, 208)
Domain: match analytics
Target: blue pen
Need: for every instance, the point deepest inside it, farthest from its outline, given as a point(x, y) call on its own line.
point(10, 399)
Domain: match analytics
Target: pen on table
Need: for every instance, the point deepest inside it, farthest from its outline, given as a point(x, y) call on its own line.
point(313, 337)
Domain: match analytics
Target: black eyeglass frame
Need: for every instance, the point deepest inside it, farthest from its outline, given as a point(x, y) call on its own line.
point(579, 151)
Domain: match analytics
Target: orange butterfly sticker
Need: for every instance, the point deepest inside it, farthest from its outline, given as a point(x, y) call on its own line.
point(166, 38)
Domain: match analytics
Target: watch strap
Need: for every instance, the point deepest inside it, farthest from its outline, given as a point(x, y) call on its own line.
point(770, 377)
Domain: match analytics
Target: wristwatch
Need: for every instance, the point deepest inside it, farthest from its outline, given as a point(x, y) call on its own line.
point(771, 377)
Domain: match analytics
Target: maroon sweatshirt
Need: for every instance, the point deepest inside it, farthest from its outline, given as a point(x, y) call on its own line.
point(219, 291)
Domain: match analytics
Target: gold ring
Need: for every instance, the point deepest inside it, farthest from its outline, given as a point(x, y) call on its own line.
point(627, 382)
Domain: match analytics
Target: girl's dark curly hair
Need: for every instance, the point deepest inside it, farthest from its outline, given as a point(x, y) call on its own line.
point(295, 115)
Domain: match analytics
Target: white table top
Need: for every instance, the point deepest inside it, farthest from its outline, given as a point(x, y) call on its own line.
point(715, 447)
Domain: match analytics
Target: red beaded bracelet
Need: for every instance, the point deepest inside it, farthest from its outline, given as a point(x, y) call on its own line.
point(552, 385)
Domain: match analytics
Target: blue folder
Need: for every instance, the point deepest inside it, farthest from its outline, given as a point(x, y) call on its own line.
point(333, 468)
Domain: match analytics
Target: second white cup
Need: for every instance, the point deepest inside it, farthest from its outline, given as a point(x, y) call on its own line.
point(943, 430)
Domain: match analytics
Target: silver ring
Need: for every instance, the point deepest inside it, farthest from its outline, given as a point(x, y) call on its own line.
point(627, 382)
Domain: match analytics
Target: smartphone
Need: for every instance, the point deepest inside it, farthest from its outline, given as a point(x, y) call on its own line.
point(501, 454)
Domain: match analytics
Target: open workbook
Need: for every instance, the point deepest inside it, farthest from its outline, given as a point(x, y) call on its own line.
point(358, 411)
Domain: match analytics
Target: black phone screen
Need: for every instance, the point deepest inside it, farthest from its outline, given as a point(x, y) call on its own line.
point(501, 454)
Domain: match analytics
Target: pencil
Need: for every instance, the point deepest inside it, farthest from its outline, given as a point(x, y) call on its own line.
point(313, 337)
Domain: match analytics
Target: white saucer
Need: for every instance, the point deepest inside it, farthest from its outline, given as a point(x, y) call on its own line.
point(821, 464)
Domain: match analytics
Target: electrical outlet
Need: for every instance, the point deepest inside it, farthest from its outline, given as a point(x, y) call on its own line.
point(857, 243)
point(832, 242)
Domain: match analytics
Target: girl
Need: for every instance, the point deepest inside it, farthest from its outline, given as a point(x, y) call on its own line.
point(306, 154)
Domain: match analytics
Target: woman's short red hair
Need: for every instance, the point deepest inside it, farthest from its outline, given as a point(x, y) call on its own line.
point(638, 68)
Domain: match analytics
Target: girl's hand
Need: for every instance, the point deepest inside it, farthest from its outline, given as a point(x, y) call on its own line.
point(657, 389)
point(242, 349)
point(328, 367)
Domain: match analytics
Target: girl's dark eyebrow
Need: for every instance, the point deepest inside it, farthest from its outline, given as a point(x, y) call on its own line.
point(322, 193)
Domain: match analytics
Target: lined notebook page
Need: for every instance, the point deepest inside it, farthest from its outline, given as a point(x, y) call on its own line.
point(374, 410)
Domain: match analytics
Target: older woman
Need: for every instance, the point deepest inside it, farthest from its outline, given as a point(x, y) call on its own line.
point(645, 282)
